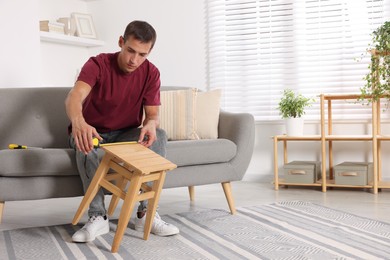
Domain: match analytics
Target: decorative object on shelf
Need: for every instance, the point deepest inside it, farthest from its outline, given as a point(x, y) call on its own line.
point(378, 78)
point(294, 126)
point(69, 25)
point(292, 108)
point(49, 26)
point(353, 173)
point(302, 171)
point(84, 25)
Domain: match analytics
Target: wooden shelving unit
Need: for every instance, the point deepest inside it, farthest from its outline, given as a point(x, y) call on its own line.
point(285, 139)
point(327, 138)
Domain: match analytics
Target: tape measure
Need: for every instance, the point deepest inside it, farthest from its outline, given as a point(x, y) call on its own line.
point(97, 144)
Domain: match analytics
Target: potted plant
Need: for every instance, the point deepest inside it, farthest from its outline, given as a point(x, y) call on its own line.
point(292, 108)
point(378, 78)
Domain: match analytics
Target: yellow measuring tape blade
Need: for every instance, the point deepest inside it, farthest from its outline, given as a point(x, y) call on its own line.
point(97, 144)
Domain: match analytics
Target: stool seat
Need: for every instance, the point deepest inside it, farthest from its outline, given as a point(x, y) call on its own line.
point(134, 163)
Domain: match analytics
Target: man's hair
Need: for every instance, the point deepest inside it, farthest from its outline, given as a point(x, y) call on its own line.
point(141, 31)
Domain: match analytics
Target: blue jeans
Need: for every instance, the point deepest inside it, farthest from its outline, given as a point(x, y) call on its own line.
point(88, 164)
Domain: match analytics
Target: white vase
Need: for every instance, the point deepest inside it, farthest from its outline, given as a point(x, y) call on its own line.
point(294, 126)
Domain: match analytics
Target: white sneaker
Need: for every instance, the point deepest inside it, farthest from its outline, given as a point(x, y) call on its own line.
point(159, 226)
point(96, 226)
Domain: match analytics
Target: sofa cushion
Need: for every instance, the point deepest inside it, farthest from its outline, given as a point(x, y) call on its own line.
point(62, 162)
point(207, 114)
point(177, 114)
point(190, 114)
point(205, 151)
point(33, 117)
point(38, 162)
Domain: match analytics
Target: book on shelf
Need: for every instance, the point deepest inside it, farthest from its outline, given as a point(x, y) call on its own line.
point(50, 26)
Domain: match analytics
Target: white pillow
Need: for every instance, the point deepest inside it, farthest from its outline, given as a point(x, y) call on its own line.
point(207, 114)
point(177, 114)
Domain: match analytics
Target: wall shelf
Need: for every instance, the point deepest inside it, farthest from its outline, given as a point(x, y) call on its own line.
point(69, 40)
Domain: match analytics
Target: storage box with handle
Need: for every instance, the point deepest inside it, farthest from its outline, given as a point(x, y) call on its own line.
point(302, 172)
point(353, 173)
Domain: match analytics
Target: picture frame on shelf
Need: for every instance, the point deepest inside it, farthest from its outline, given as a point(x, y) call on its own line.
point(84, 25)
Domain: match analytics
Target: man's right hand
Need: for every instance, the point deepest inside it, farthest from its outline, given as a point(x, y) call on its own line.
point(83, 134)
point(81, 131)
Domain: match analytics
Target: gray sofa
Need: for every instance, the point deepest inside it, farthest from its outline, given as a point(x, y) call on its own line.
point(36, 117)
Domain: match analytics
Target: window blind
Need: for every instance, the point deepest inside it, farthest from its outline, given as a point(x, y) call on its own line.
point(258, 48)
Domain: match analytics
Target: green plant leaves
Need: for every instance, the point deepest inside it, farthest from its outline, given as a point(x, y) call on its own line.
point(293, 105)
point(378, 79)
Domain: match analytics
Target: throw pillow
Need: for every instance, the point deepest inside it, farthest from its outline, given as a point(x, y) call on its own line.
point(207, 114)
point(177, 114)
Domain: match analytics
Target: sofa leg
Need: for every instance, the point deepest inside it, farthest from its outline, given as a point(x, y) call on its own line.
point(1, 210)
point(191, 190)
point(227, 188)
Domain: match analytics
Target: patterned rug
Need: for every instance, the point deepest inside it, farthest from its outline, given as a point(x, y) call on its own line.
point(286, 230)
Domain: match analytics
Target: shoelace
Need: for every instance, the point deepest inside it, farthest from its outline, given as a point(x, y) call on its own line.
point(160, 223)
point(93, 218)
point(90, 221)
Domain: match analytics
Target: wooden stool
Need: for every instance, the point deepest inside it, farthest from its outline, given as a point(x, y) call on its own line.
point(130, 162)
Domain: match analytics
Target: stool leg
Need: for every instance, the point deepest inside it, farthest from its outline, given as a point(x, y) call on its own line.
point(152, 204)
point(127, 209)
point(115, 199)
point(92, 189)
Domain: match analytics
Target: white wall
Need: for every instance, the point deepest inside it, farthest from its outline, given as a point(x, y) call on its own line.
point(60, 63)
point(19, 50)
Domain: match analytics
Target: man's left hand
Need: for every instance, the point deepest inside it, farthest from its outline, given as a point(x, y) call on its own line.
point(148, 133)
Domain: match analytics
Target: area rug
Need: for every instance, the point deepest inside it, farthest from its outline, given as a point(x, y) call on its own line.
point(285, 230)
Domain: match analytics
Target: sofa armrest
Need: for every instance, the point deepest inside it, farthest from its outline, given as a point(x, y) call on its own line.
point(240, 129)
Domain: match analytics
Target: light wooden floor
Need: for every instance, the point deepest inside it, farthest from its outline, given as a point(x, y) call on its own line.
point(21, 214)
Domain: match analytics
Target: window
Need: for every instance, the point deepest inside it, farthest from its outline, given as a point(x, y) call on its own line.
point(258, 48)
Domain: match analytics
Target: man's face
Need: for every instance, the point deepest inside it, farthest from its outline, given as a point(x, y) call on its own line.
point(133, 53)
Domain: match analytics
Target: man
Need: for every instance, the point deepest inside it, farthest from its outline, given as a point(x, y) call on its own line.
point(107, 102)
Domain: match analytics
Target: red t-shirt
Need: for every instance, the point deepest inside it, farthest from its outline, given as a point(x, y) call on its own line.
point(116, 100)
